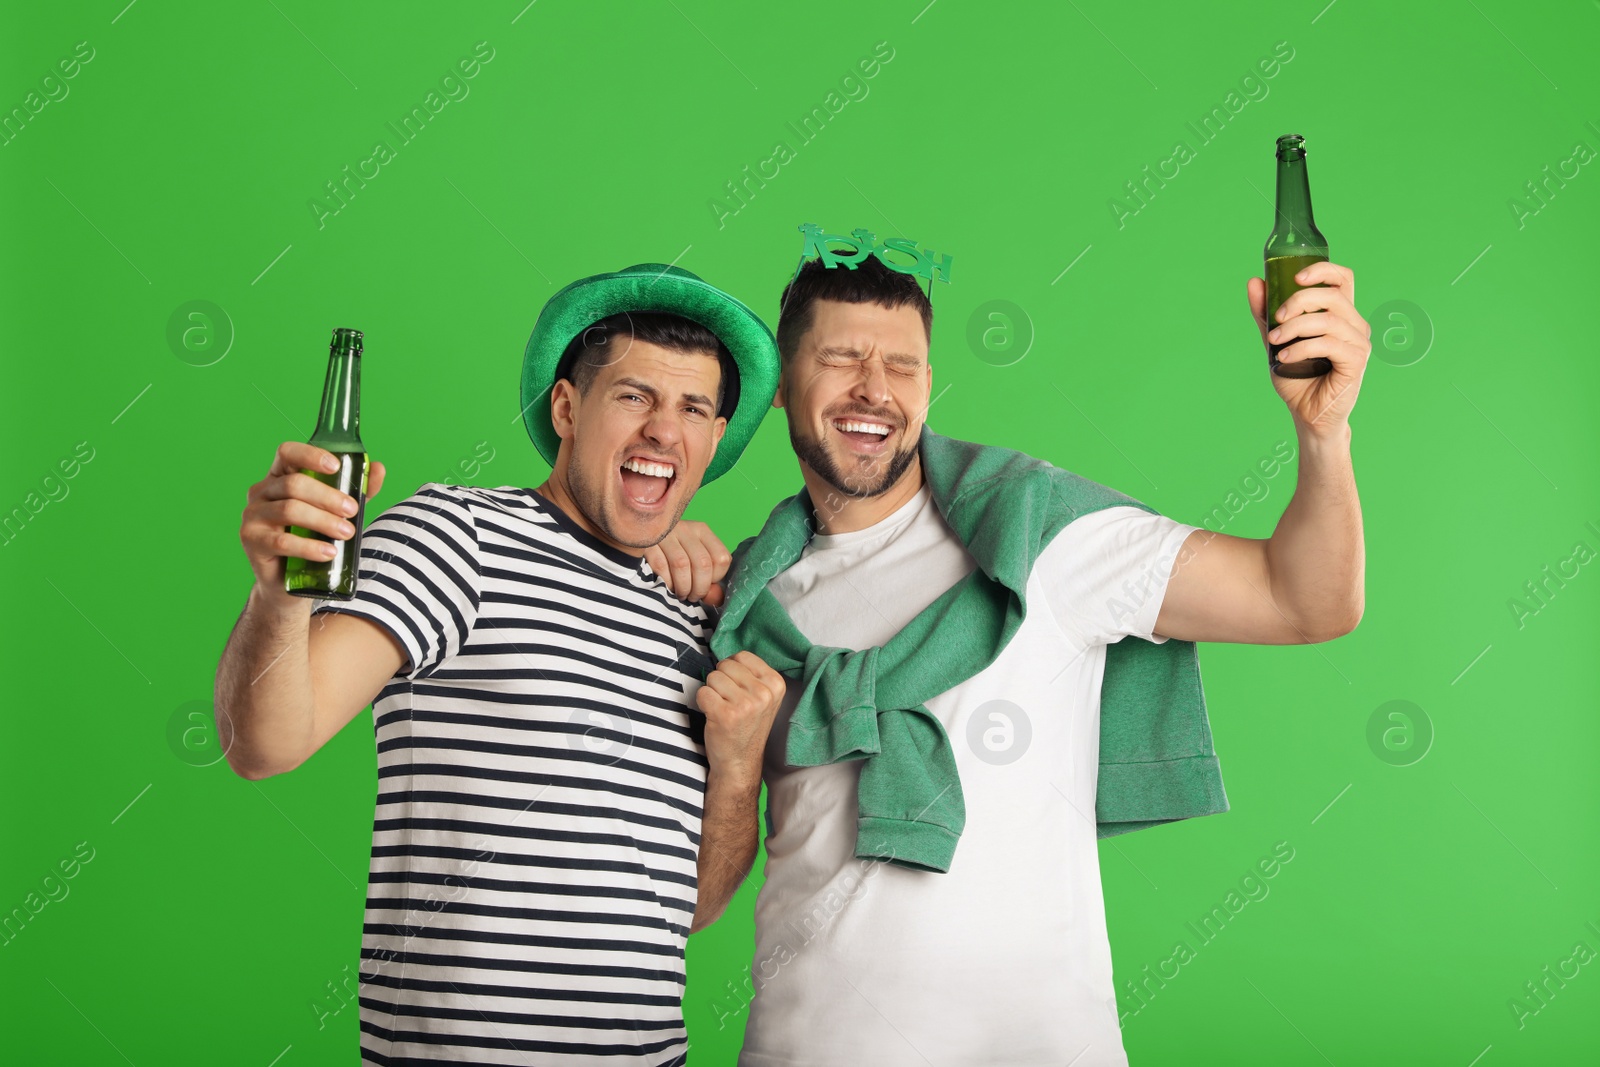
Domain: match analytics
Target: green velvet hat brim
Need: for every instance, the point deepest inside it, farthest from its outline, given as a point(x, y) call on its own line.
point(652, 287)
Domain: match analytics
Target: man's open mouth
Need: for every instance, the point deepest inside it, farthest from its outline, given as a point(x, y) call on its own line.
point(867, 433)
point(645, 482)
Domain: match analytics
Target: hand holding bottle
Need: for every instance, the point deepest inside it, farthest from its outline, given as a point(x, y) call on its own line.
point(288, 497)
point(1316, 323)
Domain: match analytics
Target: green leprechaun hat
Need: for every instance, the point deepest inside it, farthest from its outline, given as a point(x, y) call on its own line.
point(654, 287)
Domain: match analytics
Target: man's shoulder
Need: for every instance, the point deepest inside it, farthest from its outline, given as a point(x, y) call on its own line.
point(465, 505)
point(436, 506)
point(986, 476)
point(459, 517)
point(507, 498)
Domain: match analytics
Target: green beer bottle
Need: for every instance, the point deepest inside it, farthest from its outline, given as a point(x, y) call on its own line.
point(338, 431)
point(1294, 244)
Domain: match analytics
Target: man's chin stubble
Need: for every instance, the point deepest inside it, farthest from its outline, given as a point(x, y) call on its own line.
point(814, 455)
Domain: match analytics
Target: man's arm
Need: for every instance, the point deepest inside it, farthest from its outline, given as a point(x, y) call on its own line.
point(729, 835)
point(739, 699)
point(692, 560)
point(1302, 585)
point(286, 684)
point(1306, 583)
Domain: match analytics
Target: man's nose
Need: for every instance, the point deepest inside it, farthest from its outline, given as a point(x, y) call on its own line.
point(873, 384)
point(664, 429)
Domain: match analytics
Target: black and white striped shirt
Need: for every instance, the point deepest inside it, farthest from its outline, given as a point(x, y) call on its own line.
point(541, 771)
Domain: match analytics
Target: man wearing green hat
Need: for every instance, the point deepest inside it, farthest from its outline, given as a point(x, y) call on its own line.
point(567, 782)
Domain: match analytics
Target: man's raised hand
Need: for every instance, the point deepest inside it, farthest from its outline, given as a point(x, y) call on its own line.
point(1318, 321)
point(286, 497)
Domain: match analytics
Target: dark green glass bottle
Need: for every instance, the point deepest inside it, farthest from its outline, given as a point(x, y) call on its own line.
point(1294, 244)
point(338, 431)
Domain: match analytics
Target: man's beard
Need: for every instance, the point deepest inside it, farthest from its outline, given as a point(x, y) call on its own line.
point(861, 485)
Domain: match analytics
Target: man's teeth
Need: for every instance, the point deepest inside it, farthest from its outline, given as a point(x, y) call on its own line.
point(862, 427)
point(655, 470)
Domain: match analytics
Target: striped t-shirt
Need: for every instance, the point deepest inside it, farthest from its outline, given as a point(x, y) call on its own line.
point(541, 771)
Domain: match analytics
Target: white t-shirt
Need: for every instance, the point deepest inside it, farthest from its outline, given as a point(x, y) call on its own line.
point(1005, 958)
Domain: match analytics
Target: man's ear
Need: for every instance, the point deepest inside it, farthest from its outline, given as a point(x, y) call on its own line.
point(777, 394)
point(718, 428)
point(563, 408)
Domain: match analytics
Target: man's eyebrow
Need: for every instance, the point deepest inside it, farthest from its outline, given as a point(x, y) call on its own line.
point(855, 353)
point(696, 398)
point(655, 394)
point(637, 386)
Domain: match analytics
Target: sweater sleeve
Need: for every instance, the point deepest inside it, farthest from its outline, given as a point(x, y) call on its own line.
point(1105, 574)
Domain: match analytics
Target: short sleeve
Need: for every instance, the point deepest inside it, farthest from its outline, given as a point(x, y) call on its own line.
point(418, 576)
point(1105, 574)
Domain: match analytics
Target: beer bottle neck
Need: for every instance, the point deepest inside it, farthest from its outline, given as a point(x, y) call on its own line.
point(1294, 221)
point(339, 421)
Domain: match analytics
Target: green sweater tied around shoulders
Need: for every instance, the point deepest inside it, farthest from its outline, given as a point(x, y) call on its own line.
point(1156, 759)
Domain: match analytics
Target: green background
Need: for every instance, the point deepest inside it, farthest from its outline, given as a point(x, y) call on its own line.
point(215, 913)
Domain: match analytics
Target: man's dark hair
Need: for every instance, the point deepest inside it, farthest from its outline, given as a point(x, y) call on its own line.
point(592, 349)
point(871, 282)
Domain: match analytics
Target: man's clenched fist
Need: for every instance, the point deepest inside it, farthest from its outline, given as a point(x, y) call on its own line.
point(739, 699)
